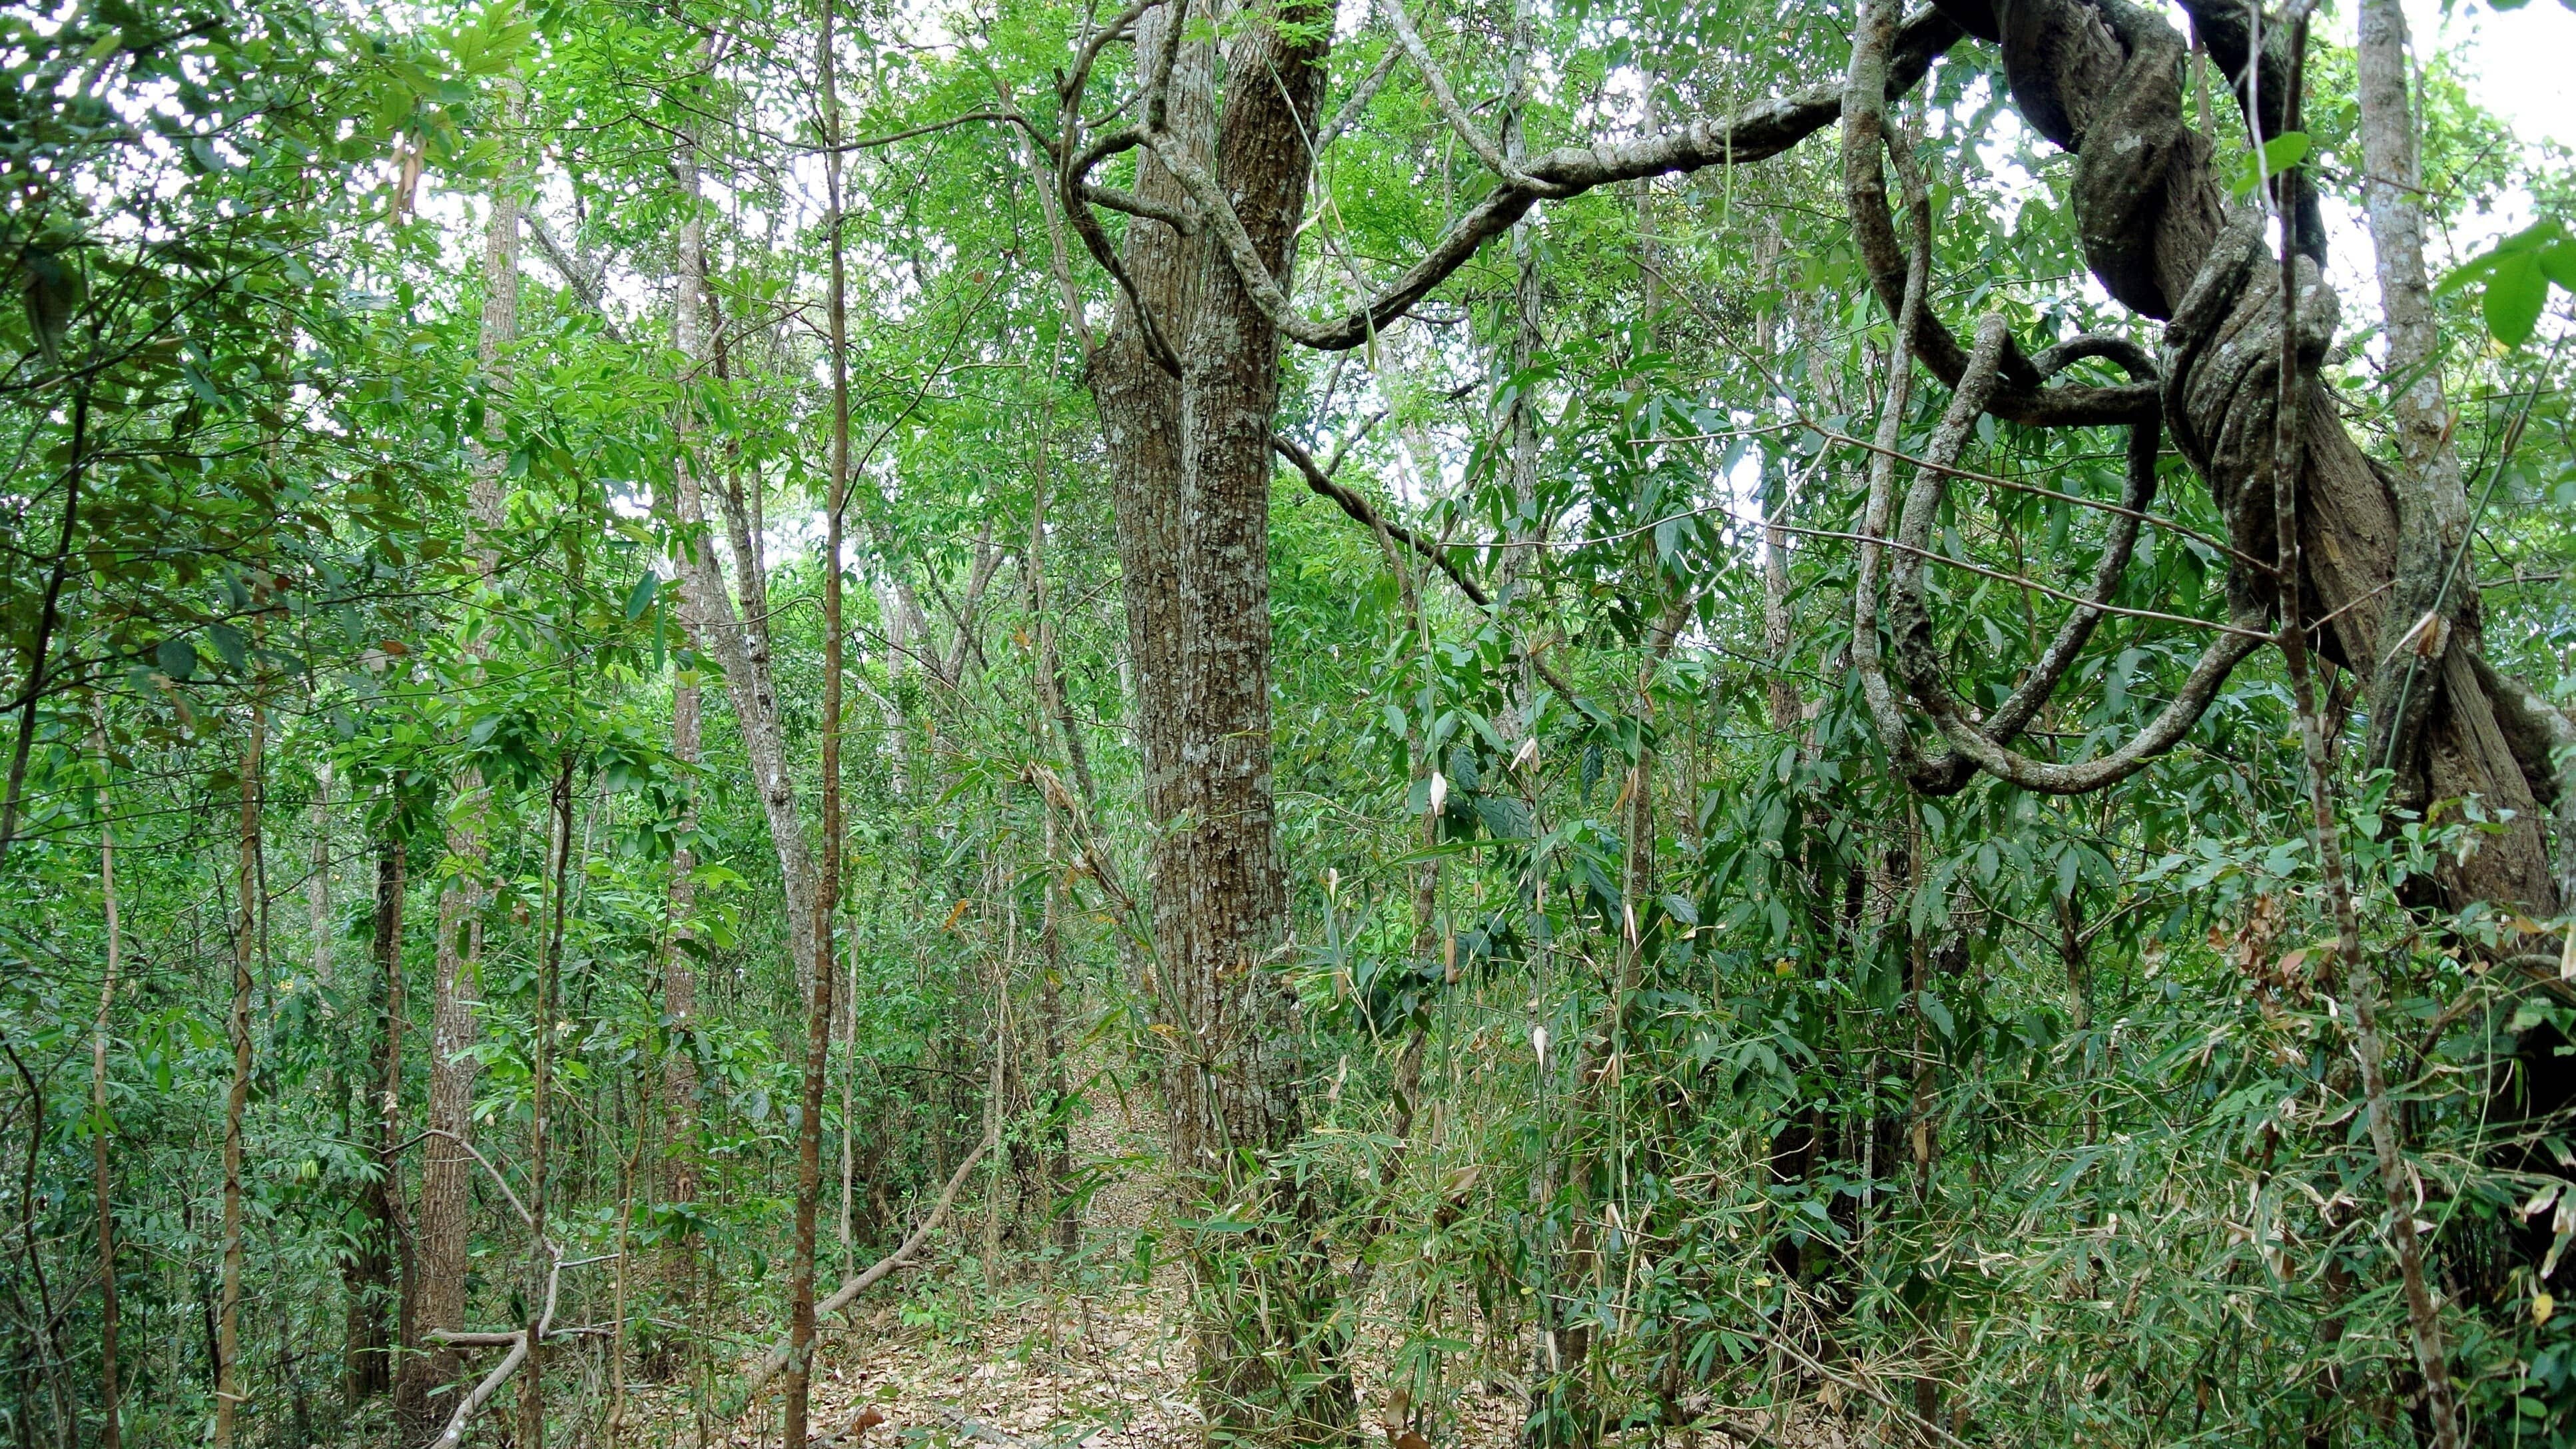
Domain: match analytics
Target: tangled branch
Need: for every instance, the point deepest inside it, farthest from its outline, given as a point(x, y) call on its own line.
point(1984, 381)
point(1754, 133)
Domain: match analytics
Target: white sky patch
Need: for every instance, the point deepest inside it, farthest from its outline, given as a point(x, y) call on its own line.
point(2515, 63)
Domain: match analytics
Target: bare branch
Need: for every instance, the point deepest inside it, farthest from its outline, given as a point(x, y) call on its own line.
point(498, 1180)
point(584, 282)
point(1134, 205)
point(770, 1363)
point(1077, 77)
point(1441, 95)
point(1357, 106)
point(1367, 517)
point(1755, 133)
point(482, 1392)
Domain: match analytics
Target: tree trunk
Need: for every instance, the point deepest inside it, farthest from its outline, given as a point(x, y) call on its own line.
point(540, 1282)
point(366, 1357)
point(102, 1145)
point(1140, 418)
point(1049, 670)
point(446, 1181)
point(2432, 502)
point(680, 1012)
point(228, 1389)
point(1268, 1362)
point(741, 640)
point(1065, 1216)
point(818, 1010)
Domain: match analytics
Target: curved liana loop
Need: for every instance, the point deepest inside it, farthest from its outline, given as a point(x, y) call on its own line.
point(2019, 392)
point(1994, 376)
point(1976, 745)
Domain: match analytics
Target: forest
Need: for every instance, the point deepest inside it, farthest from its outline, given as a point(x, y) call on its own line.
point(1106, 724)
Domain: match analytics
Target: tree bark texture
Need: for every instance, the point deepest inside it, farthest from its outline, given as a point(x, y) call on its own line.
point(1192, 464)
point(1140, 414)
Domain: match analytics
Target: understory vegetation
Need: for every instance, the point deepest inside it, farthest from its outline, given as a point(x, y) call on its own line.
point(1729, 724)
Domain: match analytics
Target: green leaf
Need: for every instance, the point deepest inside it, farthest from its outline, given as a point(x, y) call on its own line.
point(2279, 154)
point(177, 658)
point(231, 643)
point(2514, 296)
point(2558, 259)
point(640, 598)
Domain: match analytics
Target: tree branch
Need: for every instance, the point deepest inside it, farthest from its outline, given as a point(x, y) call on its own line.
point(1755, 133)
point(585, 284)
point(770, 1363)
point(1367, 517)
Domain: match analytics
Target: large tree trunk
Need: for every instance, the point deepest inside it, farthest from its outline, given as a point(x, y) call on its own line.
point(1191, 463)
point(1221, 875)
point(2103, 79)
point(1268, 1360)
point(1140, 418)
point(446, 1181)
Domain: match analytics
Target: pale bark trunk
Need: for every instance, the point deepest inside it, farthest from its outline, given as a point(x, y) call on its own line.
point(679, 967)
point(2431, 501)
point(228, 1388)
point(741, 641)
point(1776, 640)
point(2391, 187)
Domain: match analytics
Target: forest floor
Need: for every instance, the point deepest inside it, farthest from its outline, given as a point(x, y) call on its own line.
point(1095, 1359)
point(1072, 1355)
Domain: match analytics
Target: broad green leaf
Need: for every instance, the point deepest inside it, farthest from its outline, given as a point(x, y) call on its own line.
point(231, 643)
point(2279, 154)
point(2515, 294)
